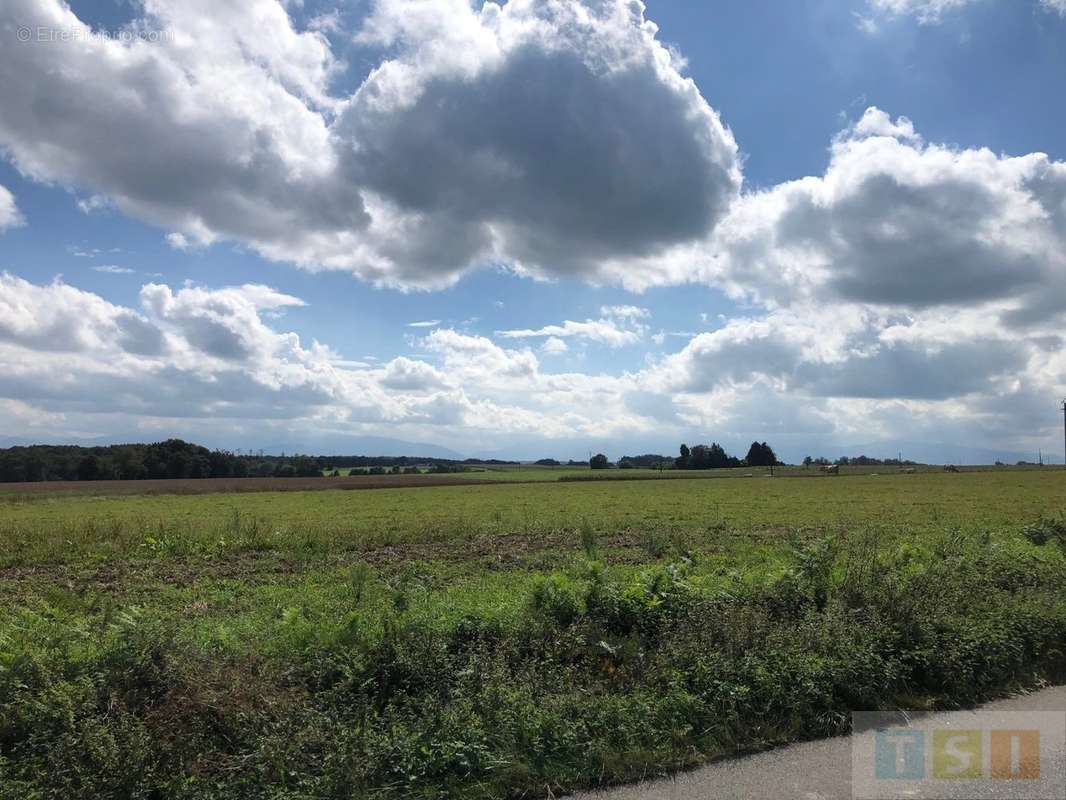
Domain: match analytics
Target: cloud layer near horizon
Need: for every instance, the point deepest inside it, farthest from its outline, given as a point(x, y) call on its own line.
point(209, 360)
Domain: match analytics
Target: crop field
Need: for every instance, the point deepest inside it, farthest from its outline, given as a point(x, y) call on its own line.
point(9, 491)
point(488, 474)
point(502, 639)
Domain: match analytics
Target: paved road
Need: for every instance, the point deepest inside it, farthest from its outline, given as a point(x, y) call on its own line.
point(822, 770)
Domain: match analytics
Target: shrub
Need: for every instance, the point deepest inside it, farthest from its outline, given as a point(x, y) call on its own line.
point(556, 598)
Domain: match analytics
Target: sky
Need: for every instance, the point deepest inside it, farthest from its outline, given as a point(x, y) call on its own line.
point(535, 228)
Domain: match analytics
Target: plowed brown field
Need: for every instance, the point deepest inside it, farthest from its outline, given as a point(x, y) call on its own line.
point(213, 485)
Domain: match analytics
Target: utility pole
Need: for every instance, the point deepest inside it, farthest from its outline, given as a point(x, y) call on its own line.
point(1064, 432)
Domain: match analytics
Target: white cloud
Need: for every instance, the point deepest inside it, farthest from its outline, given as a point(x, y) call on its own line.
point(875, 122)
point(554, 346)
point(427, 323)
point(191, 354)
point(178, 241)
point(604, 331)
point(896, 222)
point(9, 213)
point(60, 318)
point(229, 129)
point(464, 354)
point(867, 24)
point(625, 312)
point(926, 11)
point(933, 11)
point(404, 373)
point(96, 202)
point(844, 352)
point(222, 323)
point(113, 269)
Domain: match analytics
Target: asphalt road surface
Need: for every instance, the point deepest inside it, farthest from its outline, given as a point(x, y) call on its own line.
point(822, 770)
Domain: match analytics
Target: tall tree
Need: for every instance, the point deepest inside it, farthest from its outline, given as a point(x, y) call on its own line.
point(760, 454)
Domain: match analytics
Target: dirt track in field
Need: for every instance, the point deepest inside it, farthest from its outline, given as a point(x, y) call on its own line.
point(215, 485)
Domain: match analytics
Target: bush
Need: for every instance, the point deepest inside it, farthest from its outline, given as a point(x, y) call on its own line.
point(556, 598)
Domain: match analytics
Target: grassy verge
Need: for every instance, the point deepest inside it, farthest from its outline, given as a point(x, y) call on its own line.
point(444, 678)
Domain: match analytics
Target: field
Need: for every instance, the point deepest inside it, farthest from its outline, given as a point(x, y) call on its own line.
point(507, 639)
point(476, 474)
point(234, 485)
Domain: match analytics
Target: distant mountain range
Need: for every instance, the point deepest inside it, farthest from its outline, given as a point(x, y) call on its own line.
point(940, 453)
point(330, 445)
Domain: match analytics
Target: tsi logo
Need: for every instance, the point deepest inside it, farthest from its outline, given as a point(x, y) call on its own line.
point(957, 755)
point(1017, 754)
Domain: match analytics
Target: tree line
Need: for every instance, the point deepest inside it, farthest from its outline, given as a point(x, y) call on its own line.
point(175, 458)
point(178, 459)
point(697, 457)
point(858, 461)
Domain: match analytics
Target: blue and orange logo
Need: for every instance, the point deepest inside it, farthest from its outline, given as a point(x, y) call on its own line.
point(901, 754)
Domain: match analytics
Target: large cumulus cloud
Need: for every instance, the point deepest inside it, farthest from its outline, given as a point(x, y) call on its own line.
point(897, 222)
point(554, 138)
point(842, 352)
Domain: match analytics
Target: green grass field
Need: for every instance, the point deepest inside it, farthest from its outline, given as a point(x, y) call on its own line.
point(504, 640)
point(43, 529)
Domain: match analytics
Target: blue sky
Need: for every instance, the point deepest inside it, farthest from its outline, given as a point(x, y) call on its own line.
point(740, 326)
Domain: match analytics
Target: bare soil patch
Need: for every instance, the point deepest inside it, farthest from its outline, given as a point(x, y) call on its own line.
point(215, 485)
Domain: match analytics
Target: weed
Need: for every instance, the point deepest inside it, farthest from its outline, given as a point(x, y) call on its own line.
point(1046, 530)
point(589, 540)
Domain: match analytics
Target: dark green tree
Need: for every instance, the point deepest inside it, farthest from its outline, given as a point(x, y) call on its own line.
point(89, 468)
point(760, 454)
